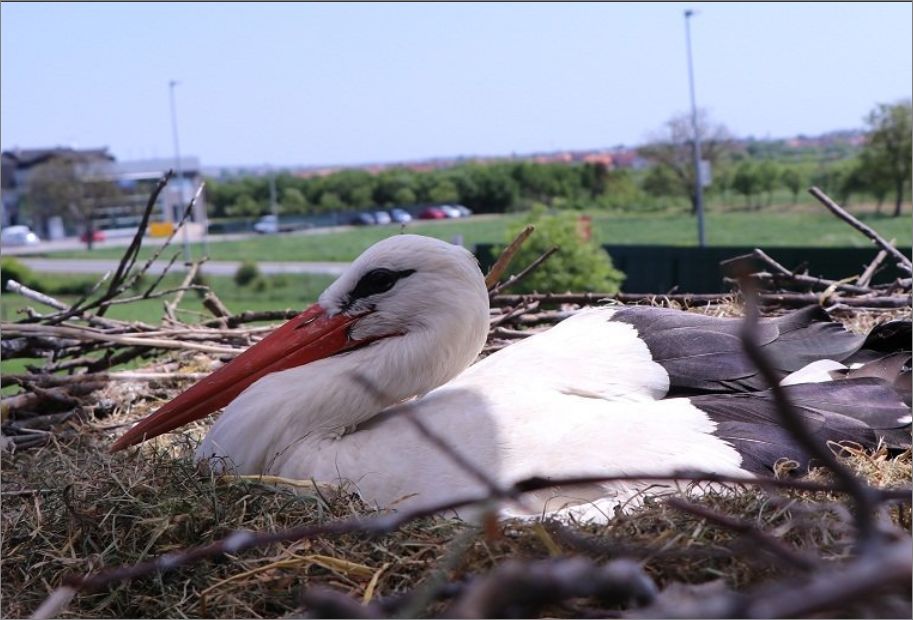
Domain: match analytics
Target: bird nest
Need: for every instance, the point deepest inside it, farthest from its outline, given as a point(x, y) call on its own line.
point(147, 533)
point(71, 508)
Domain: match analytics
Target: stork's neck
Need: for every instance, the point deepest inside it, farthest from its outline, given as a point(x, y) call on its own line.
point(329, 397)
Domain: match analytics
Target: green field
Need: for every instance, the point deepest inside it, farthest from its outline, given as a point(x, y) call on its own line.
point(268, 293)
point(275, 292)
point(762, 228)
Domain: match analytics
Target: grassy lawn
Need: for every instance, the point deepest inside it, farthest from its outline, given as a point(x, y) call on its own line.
point(268, 293)
point(748, 229)
point(762, 228)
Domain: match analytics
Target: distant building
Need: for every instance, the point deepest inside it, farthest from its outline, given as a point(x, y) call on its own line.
point(135, 180)
point(17, 166)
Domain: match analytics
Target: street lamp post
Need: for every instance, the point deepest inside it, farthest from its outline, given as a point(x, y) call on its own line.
point(698, 181)
point(177, 165)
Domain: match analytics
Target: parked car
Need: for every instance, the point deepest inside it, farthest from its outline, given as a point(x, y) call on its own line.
point(381, 217)
point(432, 213)
point(267, 225)
point(464, 211)
point(362, 219)
point(400, 216)
point(271, 225)
point(97, 235)
point(18, 235)
point(451, 211)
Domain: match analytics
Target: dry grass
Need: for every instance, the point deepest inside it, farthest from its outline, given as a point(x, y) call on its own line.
point(90, 509)
point(70, 507)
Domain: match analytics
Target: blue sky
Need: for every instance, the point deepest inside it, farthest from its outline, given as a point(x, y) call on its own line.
point(345, 83)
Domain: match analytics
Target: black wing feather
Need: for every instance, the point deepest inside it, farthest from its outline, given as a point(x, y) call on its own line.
point(864, 411)
point(704, 354)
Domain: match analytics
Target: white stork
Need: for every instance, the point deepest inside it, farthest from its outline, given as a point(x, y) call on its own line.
point(323, 397)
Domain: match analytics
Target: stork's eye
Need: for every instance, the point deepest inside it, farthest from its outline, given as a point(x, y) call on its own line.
point(377, 281)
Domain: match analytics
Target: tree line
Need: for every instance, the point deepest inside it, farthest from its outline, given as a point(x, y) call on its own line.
point(747, 173)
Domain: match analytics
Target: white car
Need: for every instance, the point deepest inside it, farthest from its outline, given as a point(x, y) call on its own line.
point(18, 235)
point(267, 225)
point(450, 211)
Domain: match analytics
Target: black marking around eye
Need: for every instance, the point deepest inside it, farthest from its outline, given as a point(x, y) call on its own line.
point(377, 281)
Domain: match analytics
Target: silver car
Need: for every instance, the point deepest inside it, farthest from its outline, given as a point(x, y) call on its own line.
point(18, 235)
point(381, 217)
point(451, 211)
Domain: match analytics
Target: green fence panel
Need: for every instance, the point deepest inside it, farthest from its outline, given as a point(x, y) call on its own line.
point(661, 269)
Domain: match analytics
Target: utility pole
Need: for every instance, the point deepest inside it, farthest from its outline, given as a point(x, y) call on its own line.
point(273, 205)
point(177, 165)
point(698, 180)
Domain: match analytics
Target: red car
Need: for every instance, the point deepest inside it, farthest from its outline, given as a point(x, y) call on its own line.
point(97, 235)
point(432, 213)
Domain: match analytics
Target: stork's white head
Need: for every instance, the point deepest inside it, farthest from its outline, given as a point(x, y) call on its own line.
point(413, 308)
point(411, 284)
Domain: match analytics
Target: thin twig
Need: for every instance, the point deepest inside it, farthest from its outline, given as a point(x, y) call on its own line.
point(903, 260)
point(171, 306)
point(129, 257)
point(512, 280)
point(15, 287)
point(174, 231)
point(17, 329)
point(503, 261)
point(866, 278)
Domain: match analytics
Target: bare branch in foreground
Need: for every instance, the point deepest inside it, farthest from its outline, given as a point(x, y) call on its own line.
point(520, 589)
point(903, 261)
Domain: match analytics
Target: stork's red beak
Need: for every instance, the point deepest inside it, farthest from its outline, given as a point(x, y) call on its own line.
point(310, 336)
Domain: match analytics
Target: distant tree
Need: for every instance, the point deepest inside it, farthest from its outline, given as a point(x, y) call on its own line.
point(792, 180)
point(746, 181)
point(52, 188)
point(71, 190)
point(293, 200)
point(661, 181)
point(672, 148)
point(722, 180)
point(330, 202)
point(444, 191)
point(361, 197)
point(389, 182)
point(853, 181)
point(404, 196)
point(595, 178)
point(768, 173)
point(244, 206)
point(830, 177)
point(486, 189)
point(887, 156)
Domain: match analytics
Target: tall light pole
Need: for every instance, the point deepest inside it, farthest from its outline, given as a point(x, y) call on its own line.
point(177, 165)
point(698, 181)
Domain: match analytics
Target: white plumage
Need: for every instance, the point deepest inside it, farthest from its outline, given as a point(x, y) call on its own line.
point(583, 398)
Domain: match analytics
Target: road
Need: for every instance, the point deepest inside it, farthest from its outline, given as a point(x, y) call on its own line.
point(214, 268)
point(123, 240)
